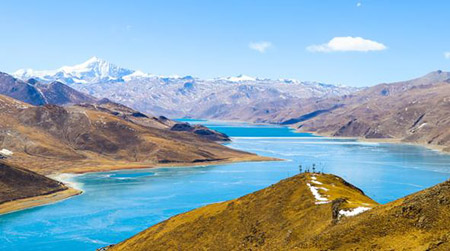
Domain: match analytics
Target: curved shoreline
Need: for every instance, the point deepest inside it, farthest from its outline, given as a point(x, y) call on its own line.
point(27, 203)
point(74, 189)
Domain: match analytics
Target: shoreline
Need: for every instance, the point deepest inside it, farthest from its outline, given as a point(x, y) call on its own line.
point(74, 188)
point(36, 201)
point(128, 166)
point(438, 148)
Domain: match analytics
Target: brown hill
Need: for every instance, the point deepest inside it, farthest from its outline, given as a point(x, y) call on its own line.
point(161, 122)
point(287, 216)
point(20, 189)
point(416, 111)
point(52, 138)
point(18, 183)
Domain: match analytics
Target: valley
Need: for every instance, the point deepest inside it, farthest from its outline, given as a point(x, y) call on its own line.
point(47, 129)
point(116, 205)
point(63, 128)
point(224, 125)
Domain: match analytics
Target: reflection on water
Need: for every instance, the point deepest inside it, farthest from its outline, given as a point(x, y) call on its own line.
point(118, 204)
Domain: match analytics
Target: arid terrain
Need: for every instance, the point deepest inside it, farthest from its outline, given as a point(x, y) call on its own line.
point(291, 216)
point(415, 111)
point(50, 138)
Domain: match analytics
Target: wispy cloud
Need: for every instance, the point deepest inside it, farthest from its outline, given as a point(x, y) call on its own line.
point(348, 44)
point(447, 55)
point(358, 4)
point(261, 46)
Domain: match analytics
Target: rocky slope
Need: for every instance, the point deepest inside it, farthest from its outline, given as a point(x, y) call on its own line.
point(36, 93)
point(57, 93)
point(80, 138)
point(220, 98)
point(20, 90)
point(416, 111)
point(299, 214)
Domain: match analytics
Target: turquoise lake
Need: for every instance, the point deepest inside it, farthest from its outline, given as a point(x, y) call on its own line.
point(117, 205)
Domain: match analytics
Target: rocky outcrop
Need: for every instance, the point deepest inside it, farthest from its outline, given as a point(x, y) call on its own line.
point(201, 131)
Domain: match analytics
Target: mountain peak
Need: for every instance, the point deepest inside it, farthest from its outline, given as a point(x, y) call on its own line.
point(93, 70)
point(239, 78)
point(94, 59)
point(435, 76)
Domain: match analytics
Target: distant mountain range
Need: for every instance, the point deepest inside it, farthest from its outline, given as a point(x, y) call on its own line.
point(187, 96)
point(415, 111)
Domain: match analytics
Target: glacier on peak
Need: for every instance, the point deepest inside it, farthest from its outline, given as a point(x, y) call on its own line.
point(92, 70)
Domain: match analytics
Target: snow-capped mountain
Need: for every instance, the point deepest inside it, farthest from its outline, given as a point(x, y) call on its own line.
point(220, 98)
point(92, 71)
point(240, 78)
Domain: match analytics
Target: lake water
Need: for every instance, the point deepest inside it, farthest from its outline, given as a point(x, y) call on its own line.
point(118, 204)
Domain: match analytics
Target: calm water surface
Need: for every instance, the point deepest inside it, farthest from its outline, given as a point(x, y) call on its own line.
point(116, 205)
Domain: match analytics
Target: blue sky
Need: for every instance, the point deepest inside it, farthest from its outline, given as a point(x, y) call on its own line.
point(377, 40)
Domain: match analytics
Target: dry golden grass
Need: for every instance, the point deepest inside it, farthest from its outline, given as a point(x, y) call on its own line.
point(285, 216)
point(353, 197)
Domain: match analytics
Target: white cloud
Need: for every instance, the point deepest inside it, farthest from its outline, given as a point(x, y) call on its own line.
point(447, 55)
point(358, 4)
point(348, 44)
point(260, 46)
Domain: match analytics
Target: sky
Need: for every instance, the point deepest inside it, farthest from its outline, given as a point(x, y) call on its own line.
point(350, 42)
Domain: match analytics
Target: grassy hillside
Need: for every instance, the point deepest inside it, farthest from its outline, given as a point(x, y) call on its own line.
point(288, 216)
